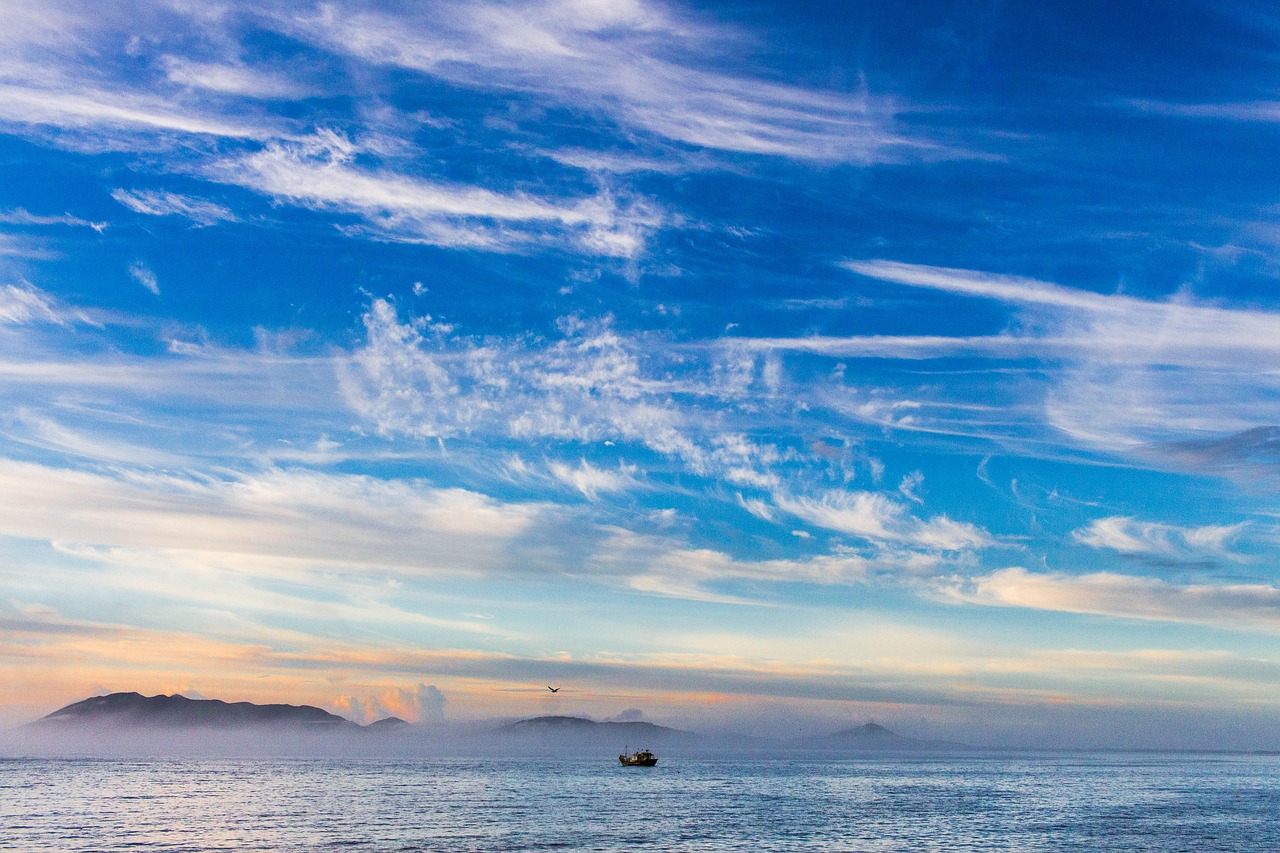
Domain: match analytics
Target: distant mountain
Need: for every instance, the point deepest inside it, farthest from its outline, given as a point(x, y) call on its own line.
point(387, 724)
point(578, 729)
point(871, 737)
point(132, 715)
point(133, 710)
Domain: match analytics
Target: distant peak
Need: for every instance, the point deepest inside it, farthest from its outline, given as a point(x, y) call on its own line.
point(135, 710)
point(553, 720)
point(387, 723)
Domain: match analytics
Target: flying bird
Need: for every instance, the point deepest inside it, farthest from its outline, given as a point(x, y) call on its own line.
point(553, 689)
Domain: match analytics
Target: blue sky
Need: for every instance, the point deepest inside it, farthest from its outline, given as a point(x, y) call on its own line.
point(741, 365)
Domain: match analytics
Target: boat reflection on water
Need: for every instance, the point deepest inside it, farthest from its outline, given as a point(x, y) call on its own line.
point(641, 758)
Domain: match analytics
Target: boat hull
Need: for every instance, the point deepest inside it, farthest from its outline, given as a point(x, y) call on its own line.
point(643, 758)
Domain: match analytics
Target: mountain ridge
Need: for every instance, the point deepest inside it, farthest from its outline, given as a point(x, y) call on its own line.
point(134, 712)
point(558, 722)
point(132, 709)
point(872, 737)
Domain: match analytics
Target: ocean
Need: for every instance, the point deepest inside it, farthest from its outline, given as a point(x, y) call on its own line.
point(970, 802)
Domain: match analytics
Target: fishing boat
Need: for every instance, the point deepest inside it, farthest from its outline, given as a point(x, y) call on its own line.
point(641, 758)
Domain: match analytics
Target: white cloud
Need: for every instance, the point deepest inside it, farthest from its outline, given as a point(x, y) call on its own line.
point(909, 486)
point(26, 304)
point(1257, 111)
point(902, 346)
point(423, 704)
point(232, 79)
point(13, 246)
point(878, 518)
point(47, 433)
point(223, 594)
point(89, 109)
point(294, 514)
point(941, 533)
point(757, 507)
point(319, 173)
point(593, 385)
point(163, 203)
point(640, 63)
point(20, 216)
point(144, 276)
point(663, 567)
point(178, 537)
point(593, 481)
point(193, 374)
point(1006, 288)
point(864, 514)
point(60, 67)
point(1146, 538)
point(1107, 328)
point(1124, 374)
point(623, 163)
point(1230, 606)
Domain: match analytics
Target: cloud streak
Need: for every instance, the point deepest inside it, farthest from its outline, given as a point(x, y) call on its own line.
point(231, 79)
point(878, 518)
point(1106, 327)
point(90, 110)
point(162, 203)
point(319, 174)
point(327, 519)
point(638, 62)
point(20, 216)
point(1253, 607)
point(26, 304)
point(592, 481)
point(592, 385)
point(1145, 538)
point(1124, 374)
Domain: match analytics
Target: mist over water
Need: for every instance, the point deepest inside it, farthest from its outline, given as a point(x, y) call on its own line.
point(556, 783)
point(1163, 803)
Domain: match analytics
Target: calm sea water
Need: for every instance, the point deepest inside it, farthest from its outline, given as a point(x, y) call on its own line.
point(1160, 803)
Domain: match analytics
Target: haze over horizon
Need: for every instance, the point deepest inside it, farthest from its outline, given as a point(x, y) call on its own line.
point(747, 366)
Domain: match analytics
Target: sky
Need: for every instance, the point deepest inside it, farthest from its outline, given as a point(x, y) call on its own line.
point(747, 365)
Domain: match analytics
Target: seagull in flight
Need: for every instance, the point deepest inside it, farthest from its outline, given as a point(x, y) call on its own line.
point(553, 689)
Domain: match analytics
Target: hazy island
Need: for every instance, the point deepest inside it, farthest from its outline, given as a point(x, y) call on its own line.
point(177, 711)
point(126, 723)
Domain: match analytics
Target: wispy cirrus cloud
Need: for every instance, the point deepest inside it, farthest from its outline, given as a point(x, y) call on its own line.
point(641, 63)
point(23, 304)
point(83, 69)
point(592, 481)
point(26, 304)
point(302, 526)
point(232, 78)
point(1165, 541)
point(1256, 111)
point(1122, 373)
point(1229, 606)
point(319, 173)
point(879, 518)
point(144, 276)
point(89, 110)
point(620, 394)
point(1114, 328)
point(265, 594)
point(20, 216)
point(592, 385)
point(663, 566)
point(163, 203)
point(296, 514)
